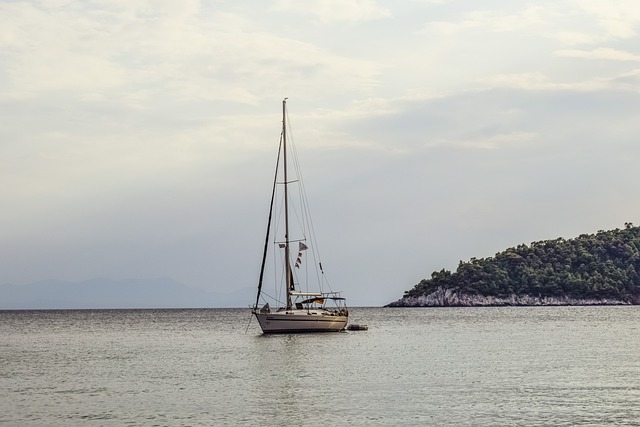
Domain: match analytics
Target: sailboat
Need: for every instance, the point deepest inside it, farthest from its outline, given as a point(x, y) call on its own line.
point(302, 300)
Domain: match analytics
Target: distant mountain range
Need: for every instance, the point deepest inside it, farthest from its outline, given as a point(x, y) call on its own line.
point(109, 293)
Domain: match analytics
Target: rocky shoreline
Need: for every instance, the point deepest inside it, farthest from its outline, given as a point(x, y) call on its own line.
point(452, 298)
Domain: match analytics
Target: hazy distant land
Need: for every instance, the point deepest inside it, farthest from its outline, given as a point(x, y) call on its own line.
point(592, 269)
point(109, 293)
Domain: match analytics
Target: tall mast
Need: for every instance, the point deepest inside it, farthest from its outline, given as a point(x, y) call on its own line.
point(286, 206)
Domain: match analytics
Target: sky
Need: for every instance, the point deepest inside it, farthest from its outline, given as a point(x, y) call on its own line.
point(138, 138)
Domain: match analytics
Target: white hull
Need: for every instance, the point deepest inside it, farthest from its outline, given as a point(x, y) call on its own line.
point(296, 320)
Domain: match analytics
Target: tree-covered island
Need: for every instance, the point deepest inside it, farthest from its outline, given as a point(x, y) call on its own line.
point(601, 268)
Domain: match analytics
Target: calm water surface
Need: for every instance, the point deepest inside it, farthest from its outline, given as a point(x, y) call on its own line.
point(549, 366)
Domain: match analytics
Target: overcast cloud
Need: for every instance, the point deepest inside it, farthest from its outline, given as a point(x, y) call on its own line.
point(138, 137)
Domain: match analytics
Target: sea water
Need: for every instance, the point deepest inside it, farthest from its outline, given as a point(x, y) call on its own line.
point(516, 366)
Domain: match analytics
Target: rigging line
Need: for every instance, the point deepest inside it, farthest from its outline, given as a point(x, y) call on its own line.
point(301, 213)
point(309, 226)
point(250, 317)
point(266, 240)
point(300, 218)
point(275, 300)
point(304, 215)
point(298, 167)
point(305, 218)
point(320, 274)
point(277, 254)
point(279, 276)
point(270, 298)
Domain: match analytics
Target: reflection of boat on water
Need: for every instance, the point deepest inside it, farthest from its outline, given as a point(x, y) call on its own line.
point(305, 305)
